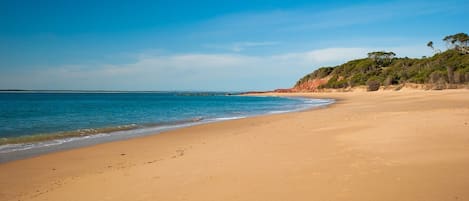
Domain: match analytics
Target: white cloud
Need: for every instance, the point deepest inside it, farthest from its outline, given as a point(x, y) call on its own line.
point(327, 56)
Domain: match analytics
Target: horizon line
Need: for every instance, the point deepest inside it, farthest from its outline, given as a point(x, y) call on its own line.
point(113, 91)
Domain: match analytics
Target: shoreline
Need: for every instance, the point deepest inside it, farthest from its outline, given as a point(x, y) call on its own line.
point(366, 146)
point(35, 145)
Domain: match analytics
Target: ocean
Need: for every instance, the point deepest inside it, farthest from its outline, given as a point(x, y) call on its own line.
point(32, 123)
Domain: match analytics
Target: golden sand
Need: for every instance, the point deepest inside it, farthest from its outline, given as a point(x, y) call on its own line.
point(387, 145)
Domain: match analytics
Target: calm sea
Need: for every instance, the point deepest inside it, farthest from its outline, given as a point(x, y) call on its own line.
point(47, 121)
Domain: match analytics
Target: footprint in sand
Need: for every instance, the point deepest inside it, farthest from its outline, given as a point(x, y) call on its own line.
point(179, 153)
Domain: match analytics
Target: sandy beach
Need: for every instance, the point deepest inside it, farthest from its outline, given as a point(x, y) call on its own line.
point(387, 145)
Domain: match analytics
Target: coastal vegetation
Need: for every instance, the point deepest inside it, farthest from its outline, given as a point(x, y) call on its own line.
point(446, 69)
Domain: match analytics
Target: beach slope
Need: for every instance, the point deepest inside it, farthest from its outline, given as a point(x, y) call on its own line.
point(387, 145)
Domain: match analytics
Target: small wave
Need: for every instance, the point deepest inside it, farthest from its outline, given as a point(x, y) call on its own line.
point(63, 135)
point(30, 145)
point(23, 143)
point(279, 111)
point(317, 102)
point(196, 119)
point(228, 118)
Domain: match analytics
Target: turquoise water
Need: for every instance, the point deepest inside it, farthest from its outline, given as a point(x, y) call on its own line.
point(71, 115)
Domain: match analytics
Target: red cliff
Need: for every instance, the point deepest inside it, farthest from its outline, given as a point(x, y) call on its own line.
point(306, 86)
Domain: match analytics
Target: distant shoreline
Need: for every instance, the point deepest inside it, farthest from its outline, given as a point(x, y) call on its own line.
point(362, 88)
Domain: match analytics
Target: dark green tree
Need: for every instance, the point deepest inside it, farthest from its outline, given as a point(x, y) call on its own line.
point(430, 45)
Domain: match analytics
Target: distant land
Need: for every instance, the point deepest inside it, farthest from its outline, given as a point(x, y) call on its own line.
point(444, 70)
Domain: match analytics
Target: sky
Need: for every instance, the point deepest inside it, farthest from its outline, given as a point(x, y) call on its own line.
point(210, 45)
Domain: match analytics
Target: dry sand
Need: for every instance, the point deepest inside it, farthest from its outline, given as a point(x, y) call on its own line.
point(405, 145)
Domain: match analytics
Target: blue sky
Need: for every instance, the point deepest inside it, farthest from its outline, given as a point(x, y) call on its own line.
point(206, 45)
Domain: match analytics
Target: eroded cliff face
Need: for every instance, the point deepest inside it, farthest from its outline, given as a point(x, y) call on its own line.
point(310, 85)
point(307, 86)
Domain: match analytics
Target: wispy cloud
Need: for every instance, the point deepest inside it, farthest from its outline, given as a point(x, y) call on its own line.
point(325, 56)
point(240, 46)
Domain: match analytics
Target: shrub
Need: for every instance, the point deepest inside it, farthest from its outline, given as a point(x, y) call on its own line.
point(459, 77)
point(437, 76)
point(388, 81)
point(341, 84)
point(373, 84)
point(440, 84)
point(336, 84)
point(357, 79)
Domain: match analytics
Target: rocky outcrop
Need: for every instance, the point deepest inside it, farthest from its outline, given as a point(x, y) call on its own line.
point(310, 85)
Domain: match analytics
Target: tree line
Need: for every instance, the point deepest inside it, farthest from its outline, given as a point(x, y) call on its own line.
point(383, 68)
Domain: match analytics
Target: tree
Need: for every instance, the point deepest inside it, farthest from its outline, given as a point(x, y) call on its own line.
point(430, 45)
point(459, 41)
point(382, 57)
